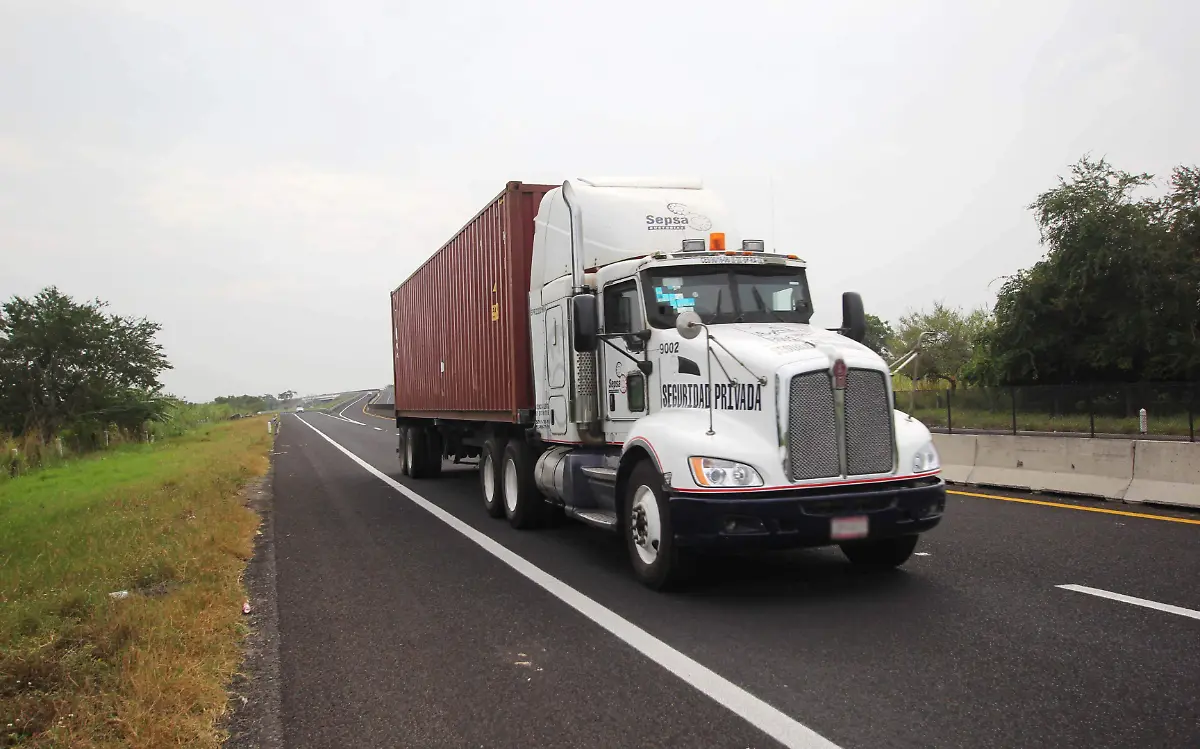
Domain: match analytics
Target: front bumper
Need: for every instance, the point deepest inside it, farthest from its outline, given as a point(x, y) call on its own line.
point(793, 519)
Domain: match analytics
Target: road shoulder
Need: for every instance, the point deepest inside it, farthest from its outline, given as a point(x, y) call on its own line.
point(253, 721)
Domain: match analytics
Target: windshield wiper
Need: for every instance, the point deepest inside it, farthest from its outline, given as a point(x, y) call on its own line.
point(763, 305)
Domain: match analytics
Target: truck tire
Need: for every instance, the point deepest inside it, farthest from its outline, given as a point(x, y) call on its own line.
point(402, 451)
point(433, 454)
point(646, 526)
point(523, 504)
point(491, 471)
point(417, 449)
point(881, 553)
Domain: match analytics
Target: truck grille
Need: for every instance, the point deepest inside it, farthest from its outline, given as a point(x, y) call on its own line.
point(812, 426)
point(868, 423)
point(812, 433)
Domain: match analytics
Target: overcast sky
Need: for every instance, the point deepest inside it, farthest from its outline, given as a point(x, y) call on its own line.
point(256, 176)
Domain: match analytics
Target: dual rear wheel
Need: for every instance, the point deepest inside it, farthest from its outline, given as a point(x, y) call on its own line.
point(420, 453)
point(509, 489)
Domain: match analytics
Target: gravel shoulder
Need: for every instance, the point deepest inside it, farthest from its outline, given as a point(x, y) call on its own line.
point(253, 721)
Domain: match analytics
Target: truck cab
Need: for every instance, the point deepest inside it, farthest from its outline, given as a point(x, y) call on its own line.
point(685, 400)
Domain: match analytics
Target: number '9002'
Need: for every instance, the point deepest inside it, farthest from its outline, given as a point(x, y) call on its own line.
point(668, 348)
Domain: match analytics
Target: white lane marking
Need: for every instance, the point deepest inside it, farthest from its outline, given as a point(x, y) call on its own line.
point(1190, 613)
point(921, 553)
point(767, 719)
point(343, 418)
point(342, 413)
point(378, 429)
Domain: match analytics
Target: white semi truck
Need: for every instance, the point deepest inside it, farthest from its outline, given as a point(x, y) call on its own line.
point(662, 381)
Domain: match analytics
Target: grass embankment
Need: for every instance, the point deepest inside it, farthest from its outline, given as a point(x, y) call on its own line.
point(166, 522)
point(21, 455)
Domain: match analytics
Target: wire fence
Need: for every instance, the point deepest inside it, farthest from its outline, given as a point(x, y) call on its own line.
point(1152, 410)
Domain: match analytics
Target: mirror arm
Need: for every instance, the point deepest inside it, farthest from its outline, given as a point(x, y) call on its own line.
point(645, 366)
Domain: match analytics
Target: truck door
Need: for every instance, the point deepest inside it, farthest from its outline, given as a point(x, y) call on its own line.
point(624, 386)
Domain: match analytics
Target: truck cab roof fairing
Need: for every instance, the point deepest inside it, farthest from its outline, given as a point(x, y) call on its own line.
point(622, 219)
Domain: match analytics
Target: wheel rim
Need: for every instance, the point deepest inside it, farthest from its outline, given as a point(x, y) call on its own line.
point(489, 480)
point(408, 452)
point(511, 485)
point(645, 525)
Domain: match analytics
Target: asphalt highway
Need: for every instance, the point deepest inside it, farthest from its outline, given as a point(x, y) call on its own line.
point(409, 618)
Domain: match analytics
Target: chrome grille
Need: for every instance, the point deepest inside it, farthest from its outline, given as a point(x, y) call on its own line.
point(812, 433)
point(868, 423)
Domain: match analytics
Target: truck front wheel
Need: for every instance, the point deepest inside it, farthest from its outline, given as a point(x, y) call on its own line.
point(646, 521)
point(491, 462)
point(880, 553)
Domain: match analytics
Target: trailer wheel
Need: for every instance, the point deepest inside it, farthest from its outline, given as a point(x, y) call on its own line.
point(646, 526)
point(405, 466)
point(417, 448)
point(491, 471)
point(433, 453)
point(882, 553)
point(523, 505)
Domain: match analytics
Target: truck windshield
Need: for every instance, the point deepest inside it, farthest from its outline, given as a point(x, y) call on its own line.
point(727, 294)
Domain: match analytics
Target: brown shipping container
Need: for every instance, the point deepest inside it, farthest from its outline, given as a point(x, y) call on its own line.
point(460, 323)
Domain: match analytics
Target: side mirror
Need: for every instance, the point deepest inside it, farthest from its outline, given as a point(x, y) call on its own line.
point(585, 325)
point(854, 320)
point(688, 324)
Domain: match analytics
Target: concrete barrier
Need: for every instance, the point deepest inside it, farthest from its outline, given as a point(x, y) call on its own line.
point(957, 453)
point(1134, 471)
point(1166, 473)
point(1067, 465)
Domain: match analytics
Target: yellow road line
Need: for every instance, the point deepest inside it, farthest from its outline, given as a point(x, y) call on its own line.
point(374, 416)
point(1185, 521)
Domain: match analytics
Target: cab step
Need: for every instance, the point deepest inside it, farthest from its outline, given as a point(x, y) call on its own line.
point(604, 519)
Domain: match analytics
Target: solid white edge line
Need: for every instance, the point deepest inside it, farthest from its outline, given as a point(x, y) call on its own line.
point(1191, 614)
point(342, 413)
point(759, 714)
point(342, 418)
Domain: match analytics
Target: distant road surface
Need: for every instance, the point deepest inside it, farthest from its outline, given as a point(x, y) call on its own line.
point(409, 618)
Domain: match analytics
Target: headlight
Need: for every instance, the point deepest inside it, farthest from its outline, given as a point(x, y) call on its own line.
point(716, 472)
point(926, 459)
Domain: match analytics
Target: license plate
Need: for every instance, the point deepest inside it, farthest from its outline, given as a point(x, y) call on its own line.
point(842, 529)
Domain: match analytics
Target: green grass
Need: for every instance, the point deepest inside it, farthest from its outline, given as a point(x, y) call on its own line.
point(165, 522)
point(20, 456)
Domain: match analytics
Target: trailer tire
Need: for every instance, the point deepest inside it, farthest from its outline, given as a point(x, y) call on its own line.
point(417, 445)
point(402, 451)
point(645, 523)
point(523, 504)
point(880, 553)
point(433, 453)
point(491, 471)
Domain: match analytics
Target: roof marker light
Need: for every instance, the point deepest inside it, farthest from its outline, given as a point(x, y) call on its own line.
point(716, 241)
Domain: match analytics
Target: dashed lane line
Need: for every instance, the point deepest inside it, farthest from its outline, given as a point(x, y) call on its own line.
point(1181, 611)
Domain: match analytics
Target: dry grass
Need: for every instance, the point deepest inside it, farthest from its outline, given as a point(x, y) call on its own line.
point(165, 522)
